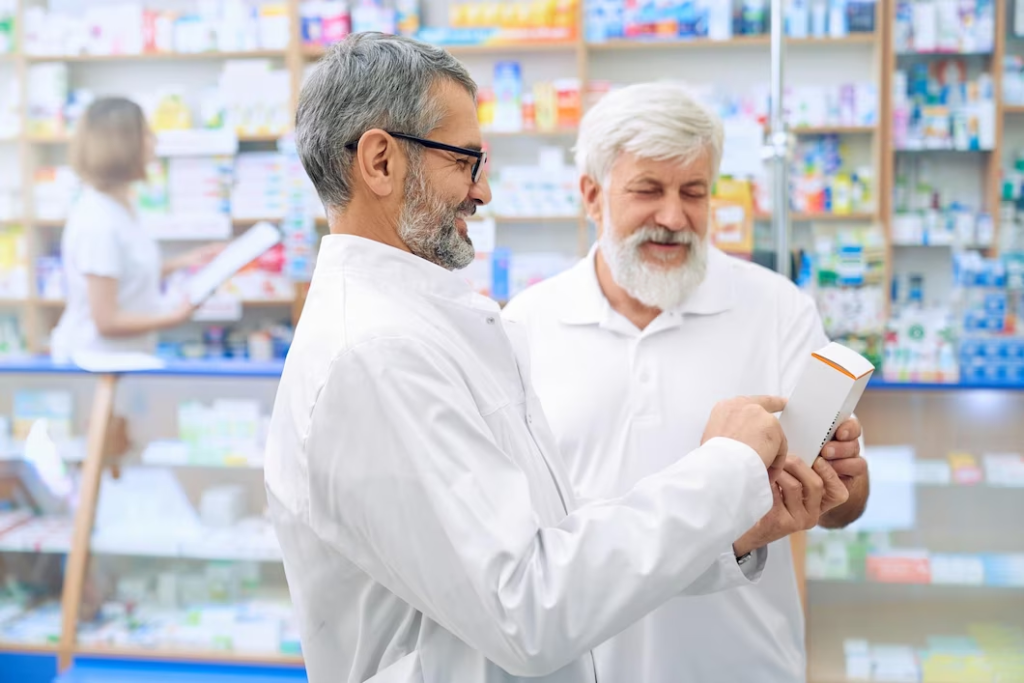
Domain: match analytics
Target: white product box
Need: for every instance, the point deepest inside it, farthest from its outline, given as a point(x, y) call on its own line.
point(829, 388)
point(222, 506)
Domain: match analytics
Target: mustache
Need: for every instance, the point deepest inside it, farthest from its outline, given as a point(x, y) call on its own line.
point(653, 233)
point(466, 209)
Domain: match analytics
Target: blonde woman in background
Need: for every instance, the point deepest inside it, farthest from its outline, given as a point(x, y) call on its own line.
point(112, 265)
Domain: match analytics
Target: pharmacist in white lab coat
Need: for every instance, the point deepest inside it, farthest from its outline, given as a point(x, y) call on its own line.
point(632, 347)
point(428, 529)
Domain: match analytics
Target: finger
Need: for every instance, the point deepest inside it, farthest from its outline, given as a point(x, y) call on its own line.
point(783, 446)
point(839, 450)
point(850, 467)
point(773, 404)
point(836, 492)
point(813, 487)
point(792, 495)
point(849, 430)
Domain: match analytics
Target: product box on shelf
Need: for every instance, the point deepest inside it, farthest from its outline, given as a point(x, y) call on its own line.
point(128, 28)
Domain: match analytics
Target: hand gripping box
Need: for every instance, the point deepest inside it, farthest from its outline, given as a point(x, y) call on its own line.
point(825, 396)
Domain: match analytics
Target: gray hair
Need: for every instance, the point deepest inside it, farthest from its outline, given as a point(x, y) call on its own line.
point(368, 80)
point(660, 121)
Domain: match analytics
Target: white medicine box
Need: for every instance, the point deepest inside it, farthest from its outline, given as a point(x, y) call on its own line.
point(826, 395)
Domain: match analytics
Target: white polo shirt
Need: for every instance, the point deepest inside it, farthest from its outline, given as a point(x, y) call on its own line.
point(623, 403)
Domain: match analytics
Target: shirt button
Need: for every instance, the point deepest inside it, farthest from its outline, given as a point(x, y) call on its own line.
point(529, 418)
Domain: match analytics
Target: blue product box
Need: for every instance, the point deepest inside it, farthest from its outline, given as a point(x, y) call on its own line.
point(1016, 372)
point(501, 259)
point(971, 347)
point(995, 302)
point(974, 372)
point(994, 348)
point(1004, 569)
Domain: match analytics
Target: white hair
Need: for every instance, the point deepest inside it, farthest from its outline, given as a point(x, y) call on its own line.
point(659, 121)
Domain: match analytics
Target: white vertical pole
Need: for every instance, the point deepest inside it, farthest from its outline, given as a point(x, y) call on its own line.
point(779, 144)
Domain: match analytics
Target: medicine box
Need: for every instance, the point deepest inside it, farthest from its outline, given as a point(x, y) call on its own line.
point(825, 396)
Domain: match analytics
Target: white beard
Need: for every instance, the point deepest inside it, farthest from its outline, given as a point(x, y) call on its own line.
point(653, 285)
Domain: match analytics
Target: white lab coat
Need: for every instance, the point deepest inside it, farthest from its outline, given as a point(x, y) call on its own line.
point(428, 530)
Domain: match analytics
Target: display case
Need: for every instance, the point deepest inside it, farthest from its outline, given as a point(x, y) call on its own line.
point(144, 543)
point(929, 584)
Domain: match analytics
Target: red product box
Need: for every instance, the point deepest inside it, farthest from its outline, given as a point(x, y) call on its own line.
point(915, 569)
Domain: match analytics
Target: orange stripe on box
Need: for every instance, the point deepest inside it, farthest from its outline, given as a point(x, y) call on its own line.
point(841, 369)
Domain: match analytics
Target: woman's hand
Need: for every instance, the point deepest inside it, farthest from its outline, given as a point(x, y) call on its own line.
point(183, 312)
point(193, 258)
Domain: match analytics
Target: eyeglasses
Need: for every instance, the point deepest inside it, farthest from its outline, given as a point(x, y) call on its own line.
point(480, 156)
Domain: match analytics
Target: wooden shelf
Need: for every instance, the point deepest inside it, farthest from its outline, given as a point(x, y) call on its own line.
point(28, 648)
point(504, 48)
point(557, 133)
point(737, 42)
point(821, 217)
point(938, 150)
point(159, 56)
point(48, 222)
point(253, 221)
point(49, 139)
point(851, 39)
point(1013, 108)
point(834, 130)
point(60, 303)
point(267, 137)
point(191, 656)
point(267, 303)
point(12, 303)
point(65, 139)
point(317, 51)
point(942, 54)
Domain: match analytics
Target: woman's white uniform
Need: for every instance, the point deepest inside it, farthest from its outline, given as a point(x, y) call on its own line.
point(101, 237)
point(428, 529)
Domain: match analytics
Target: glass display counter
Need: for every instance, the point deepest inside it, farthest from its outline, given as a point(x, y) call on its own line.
point(929, 584)
point(182, 556)
point(38, 502)
point(148, 542)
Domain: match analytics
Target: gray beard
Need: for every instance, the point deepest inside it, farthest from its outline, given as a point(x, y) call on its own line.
point(427, 225)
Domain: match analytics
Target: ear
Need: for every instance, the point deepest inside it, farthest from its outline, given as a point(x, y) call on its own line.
point(379, 163)
point(593, 200)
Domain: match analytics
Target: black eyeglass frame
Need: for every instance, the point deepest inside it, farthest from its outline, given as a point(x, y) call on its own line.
point(479, 155)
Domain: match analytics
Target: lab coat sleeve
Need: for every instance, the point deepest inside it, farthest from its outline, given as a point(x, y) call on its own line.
point(726, 573)
point(409, 482)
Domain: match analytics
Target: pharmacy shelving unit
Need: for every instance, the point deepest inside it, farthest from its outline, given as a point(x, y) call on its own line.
point(931, 583)
point(221, 590)
point(989, 166)
point(632, 61)
point(620, 61)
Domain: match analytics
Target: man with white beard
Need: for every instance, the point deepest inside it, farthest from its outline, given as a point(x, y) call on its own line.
point(633, 346)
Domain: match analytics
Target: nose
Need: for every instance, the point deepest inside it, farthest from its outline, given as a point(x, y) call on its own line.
point(672, 215)
point(480, 192)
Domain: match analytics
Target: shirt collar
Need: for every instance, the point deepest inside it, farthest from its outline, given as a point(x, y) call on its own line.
point(387, 265)
point(588, 305)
